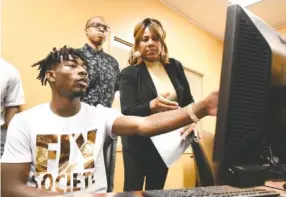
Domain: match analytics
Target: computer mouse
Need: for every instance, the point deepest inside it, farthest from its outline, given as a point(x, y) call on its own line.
point(284, 185)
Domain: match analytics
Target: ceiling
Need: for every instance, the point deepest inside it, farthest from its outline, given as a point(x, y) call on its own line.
point(210, 15)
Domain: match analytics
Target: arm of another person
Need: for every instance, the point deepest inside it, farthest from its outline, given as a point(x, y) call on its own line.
point(14, 98)
point(166, 121)
point(9, 114)
point(130, 104)
point(16, 162)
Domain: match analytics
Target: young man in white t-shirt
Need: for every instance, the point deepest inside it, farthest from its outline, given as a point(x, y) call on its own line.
point(57, 147)
point(12, 96)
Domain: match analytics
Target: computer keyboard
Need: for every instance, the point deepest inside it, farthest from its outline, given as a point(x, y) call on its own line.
point(211, 191)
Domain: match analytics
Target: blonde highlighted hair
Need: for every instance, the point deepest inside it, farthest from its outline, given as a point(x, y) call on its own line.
point(156, 29)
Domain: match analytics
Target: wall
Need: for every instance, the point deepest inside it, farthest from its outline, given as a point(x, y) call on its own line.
point(282, 30)
point(1, 28)
point(32, 27)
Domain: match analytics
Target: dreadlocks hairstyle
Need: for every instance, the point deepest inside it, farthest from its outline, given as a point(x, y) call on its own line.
point(55, 57)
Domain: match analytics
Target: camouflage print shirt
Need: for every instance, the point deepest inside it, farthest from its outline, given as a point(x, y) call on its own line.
point(103, 72)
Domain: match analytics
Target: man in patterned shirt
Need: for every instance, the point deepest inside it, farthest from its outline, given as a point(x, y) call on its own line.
point(103, 69)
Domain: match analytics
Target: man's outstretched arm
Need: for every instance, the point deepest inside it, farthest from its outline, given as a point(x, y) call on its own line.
point(166, 121)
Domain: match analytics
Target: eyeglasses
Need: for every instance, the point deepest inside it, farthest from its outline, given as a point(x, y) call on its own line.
point(98, 26)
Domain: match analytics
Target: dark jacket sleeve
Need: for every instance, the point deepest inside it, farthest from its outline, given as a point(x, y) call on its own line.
point(129, 93)
point(188, 97)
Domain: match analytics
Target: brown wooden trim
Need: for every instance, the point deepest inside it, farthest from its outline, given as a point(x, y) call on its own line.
point(193, 71)
point(123, 41)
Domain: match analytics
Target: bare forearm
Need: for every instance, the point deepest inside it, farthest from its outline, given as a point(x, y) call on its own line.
point(167, 121)
point(14, 178)
point(25, 191)
point(9, 114)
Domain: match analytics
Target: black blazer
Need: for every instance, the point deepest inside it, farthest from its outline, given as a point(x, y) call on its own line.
point(136, 91)
point(137, 88)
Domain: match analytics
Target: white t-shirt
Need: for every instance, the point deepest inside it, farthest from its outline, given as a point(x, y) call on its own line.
point(66, 153)
point(11, 89)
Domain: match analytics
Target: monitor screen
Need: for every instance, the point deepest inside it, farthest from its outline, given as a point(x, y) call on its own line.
point(252, 103)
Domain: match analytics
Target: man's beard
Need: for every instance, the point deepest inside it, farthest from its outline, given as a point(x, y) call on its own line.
point(78, 94)
point(98, 42)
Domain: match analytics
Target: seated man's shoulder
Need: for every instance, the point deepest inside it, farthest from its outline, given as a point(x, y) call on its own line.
point(33, 112)
point(91, 108)
point(87, 109)
point(98, 110)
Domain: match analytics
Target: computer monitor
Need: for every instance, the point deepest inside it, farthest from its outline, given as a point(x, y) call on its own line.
point(252, 101)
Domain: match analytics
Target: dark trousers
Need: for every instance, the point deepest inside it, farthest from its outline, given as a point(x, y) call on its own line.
point(143, 164)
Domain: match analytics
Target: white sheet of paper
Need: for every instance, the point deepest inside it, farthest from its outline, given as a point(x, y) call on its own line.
point(171, 145)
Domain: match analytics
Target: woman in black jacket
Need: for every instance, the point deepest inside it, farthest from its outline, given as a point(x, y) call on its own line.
point(152, 83)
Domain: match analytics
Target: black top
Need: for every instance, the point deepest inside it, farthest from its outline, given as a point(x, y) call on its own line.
point(103, 74)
